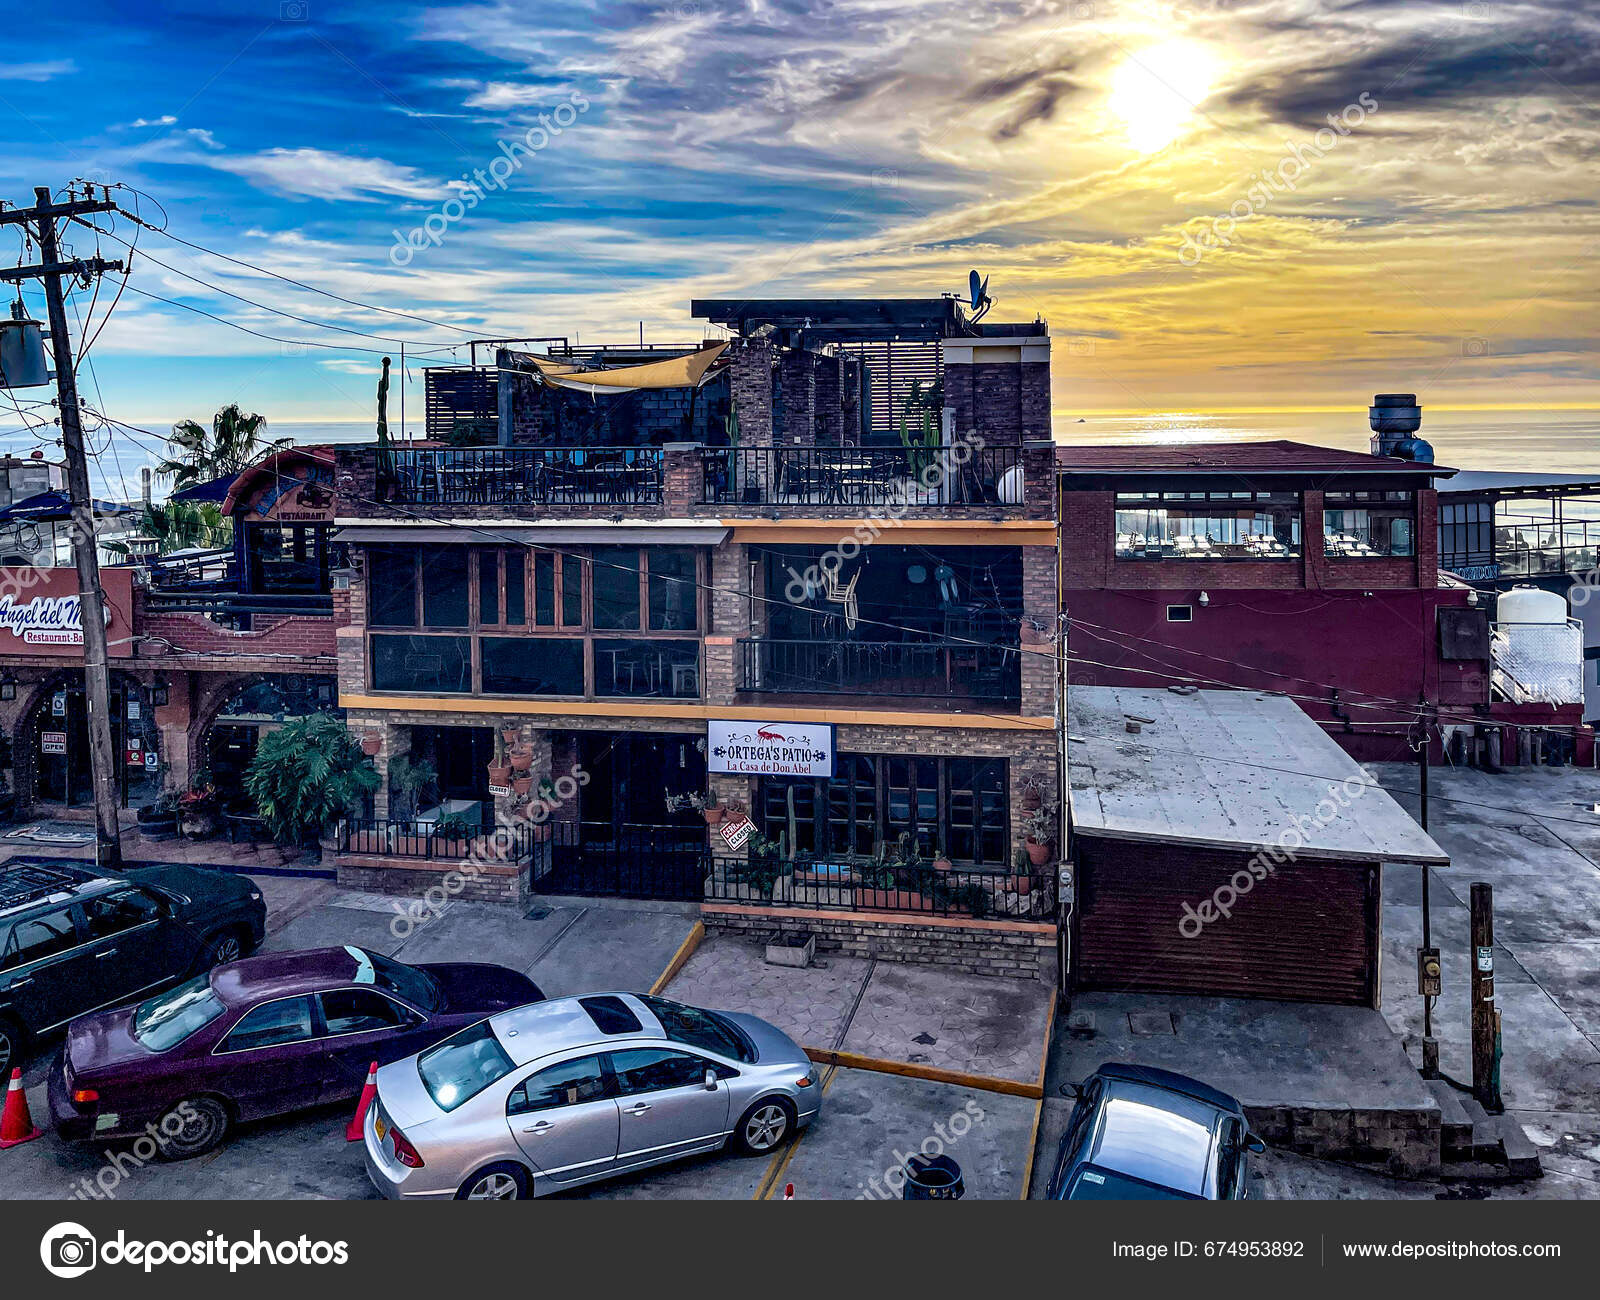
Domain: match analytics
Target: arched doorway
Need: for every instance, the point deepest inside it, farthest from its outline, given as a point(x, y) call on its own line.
point(229, 745)
point(57, 736)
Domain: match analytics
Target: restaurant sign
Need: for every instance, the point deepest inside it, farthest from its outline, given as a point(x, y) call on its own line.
point(770, 748)
point(39, 610)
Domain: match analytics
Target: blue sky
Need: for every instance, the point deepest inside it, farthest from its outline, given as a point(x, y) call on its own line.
point(1082, 152)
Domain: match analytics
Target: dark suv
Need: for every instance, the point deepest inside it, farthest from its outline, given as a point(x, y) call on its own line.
point(73, 939)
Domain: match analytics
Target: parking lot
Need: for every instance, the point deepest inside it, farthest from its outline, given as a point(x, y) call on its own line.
point(977, 1035)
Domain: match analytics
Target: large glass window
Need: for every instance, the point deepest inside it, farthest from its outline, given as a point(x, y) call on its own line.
point(669, 668)
point(532, 665)
point(392, 586)
point(1207, 525)
point(674, 595)
point(422, 665)
point(1465, 533)
point(615, 579)
point(1366, 525)
point(444, 587)
point(957, 806)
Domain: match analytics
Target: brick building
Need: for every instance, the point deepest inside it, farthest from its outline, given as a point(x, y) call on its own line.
point(827, 610)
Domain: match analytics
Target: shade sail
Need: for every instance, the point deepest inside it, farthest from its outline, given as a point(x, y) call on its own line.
point(686, 371)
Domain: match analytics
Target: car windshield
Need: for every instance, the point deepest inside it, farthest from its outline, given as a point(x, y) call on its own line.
point(164, 1021)
point(694, 1027)
point(1107, 1185)
point(462, 1066)
point(407, 982)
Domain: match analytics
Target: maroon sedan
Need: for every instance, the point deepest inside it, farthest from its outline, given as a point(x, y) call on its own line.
point(261, 1037)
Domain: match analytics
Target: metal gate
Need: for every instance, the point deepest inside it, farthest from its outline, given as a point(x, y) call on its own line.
point(626, 861)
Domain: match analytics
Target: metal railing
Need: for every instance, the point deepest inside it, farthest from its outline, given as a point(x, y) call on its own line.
point(868, 887)
point(522, 475)
point(385, 838)
point(233, 603)
point(627, 860)
point(931, 669)
point(952, 474)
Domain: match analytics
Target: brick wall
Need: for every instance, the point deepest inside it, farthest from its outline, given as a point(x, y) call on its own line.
point(300, 636)
point(1012, 951)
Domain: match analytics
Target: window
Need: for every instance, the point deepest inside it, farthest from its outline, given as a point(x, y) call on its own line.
point(444, 587)
point(360, 1011)
point(462, 1066)
point(1365, 525)
point(422, 665)
point(572, 567)
point(669, 668)
point(1207, 525)
point(287, 558)
point(1466, 533)
point(38, 938)
point(694, 1027)
point(288, 1020)
point(674, 595)
point(615, 579)
point(532, 665)
point(392, 586)
point(1180, 613)
point(162, 1022)
point(415, 986)
point(958, 805)
point(654, 1069)
point(569, 1084)
point(113, 913)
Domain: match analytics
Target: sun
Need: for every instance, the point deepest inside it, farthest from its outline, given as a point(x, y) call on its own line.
point(1156, 91)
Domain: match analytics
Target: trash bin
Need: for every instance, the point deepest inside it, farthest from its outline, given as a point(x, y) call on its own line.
point(933, 1178)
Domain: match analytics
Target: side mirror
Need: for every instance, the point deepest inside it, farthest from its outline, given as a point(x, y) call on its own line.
point(1072, 1090)
point(1254, 1145)
point(711, 1079)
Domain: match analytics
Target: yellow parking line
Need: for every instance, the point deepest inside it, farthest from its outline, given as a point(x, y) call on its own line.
point(1038, 1110)
point(686, 950)
point(780, 1161)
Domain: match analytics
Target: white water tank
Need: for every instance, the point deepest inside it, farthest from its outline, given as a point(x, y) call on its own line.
point(22, 359)
point(1531, 605)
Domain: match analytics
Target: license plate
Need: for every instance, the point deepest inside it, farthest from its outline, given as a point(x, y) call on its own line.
point(380, 1128)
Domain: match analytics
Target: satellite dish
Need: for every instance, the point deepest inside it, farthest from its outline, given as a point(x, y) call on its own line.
point(978, 295)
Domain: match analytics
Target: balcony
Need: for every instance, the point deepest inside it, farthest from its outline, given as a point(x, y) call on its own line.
point(952, 474)
point(943, 669)
point(519, 476)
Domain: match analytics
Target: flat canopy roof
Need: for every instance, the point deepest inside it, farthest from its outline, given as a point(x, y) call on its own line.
point(1234, 770)
point(839, 319)
point(1509, 484)
point(1270, 456)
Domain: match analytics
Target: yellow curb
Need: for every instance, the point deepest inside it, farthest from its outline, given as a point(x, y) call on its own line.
point(686, 950)
point(1038, 1110)
point(780, 1162)
point(983, 1082)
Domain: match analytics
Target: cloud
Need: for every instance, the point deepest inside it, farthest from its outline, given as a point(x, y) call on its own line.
point(165, 120)
point(307, 173)
point(43, 71)
point(507, 94)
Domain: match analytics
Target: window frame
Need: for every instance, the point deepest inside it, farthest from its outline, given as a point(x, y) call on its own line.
point(1197, 503)
point(608, 1083)
point(310, 999)
point(410, 1016)
point(1378, 504)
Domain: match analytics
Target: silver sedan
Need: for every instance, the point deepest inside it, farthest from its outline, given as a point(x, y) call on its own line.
point(573, 1090)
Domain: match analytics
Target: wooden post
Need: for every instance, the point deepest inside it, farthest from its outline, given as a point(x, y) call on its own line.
point(1485, 1081)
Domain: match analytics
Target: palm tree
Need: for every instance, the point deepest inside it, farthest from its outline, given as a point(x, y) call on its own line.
point(233, 442)
point(178, 525)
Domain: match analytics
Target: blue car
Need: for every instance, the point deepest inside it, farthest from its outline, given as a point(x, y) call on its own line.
point(1142, 1134)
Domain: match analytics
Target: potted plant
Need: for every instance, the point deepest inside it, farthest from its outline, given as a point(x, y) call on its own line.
point(521, 758)
point(942, 861)
point(893, 882)
point(306, 775)
point(197, 809)
point(371, 743)
point(452, 834)
point(1021, 881)
point(410, 780)
point(499, 773)
point(1039, 830)
point(522, 785)
point(1032, 797)
point(767, 863)
point(159, 820)
point(705, 804)
point(510, 735)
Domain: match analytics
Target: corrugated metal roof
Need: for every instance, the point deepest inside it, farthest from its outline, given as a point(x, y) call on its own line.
point(1229, 770)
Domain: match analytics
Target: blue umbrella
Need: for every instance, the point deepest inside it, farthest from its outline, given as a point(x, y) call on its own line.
point(54, 505)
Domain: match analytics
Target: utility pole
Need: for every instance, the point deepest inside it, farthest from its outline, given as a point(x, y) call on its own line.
point(1429, 967)
point(1485, 1015)
point(91, 600)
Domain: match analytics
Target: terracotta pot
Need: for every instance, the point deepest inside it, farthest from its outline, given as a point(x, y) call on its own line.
point(942, 864)
point(1032, 800)
point(521, 760)
point(1021, 884)
point(371, 743)
point(510, 735)
point(522, 785)
point(499, 774)
point(890, 900)
point(713, 815)
point(1038, 853)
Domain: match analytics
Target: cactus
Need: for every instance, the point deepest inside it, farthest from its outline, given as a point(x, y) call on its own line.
point(794, 825)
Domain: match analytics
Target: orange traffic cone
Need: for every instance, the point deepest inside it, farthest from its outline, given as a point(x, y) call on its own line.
point(369, 1090)
point(16, 1124)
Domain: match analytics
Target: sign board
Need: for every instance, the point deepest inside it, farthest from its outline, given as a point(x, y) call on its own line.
point(294, 487)
point(737, 832)
point(133, 710)
point(1486, 959)
point(770, 748)
point(151, 762)
point(52, 742)
point(58, 705)
point(39, 613)
point(497, 790)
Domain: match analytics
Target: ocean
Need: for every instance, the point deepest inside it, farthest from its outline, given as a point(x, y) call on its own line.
point(1549, 442)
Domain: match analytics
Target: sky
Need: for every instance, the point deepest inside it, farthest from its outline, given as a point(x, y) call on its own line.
point(1217, 205)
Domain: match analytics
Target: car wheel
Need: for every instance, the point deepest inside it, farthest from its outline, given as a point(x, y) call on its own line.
point(764, 1126)
point(193, 1127)
point(496, 1183)
point(225, 946)
point(10, 1048)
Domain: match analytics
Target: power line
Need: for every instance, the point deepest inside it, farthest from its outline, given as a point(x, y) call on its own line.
point(271, 338)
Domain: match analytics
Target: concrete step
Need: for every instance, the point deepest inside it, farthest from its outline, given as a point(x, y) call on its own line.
point(1455, 1126)
point(1485, 1131)
point(1521, 1156)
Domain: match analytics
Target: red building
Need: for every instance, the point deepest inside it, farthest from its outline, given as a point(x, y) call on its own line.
point(1271, 566)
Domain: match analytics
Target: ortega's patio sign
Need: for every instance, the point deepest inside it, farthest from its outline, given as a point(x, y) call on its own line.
point(40, 611)
point(770, 748)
